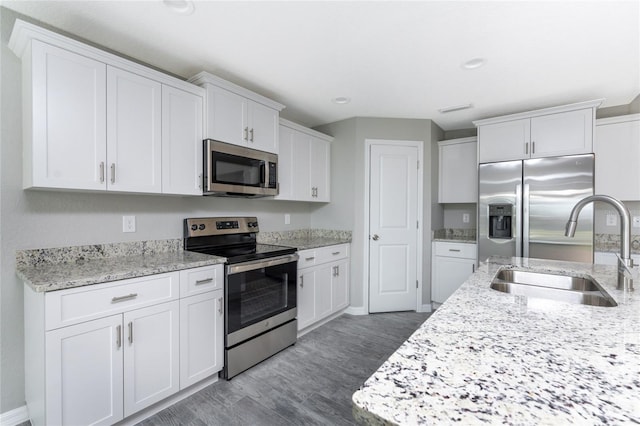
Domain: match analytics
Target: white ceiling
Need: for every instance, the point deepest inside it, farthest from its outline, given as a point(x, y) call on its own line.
point(393, 59)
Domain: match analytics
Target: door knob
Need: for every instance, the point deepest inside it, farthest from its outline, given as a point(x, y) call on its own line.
point(375, 237)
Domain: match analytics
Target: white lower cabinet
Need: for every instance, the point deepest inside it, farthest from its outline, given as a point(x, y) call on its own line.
point(100, 353)
point(323, 283)
point(452, 264)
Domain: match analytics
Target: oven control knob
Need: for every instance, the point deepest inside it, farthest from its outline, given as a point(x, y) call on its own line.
point(194, 227)
point(202, 226)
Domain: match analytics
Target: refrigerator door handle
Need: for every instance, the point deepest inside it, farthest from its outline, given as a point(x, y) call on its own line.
point(525, 221)
point(518, 221)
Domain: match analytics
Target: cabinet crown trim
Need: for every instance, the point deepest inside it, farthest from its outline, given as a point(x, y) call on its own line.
point(23, 33)
point(617, 119)
point(538, 112)
point(300, 128)
point(205, 77)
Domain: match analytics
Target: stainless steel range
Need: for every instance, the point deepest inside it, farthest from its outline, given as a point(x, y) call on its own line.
point(260, 288)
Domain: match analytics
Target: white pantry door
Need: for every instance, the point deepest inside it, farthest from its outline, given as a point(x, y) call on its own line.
point(393, 230)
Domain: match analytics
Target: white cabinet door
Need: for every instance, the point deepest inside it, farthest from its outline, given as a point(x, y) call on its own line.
point(448, 274)
point(458, 172)
point(181, 142)
point(306, 298)
point(286, 164)
point(319, 168)
point(263, 127)
point(84, 373)
point(151, 356)
point(564, 133)
point(133, 132)
point(340, 285)
point(323, 297)
point(507, 140)
point(201, 338)
point(301, 165)
point(617, 150)
point(226, 116)
point(65, 144)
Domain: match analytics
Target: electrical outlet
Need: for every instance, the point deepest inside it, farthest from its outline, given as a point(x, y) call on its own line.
point(465, 217)
point(636, 221)
point(612, 220)
point(128, 224)
point(287, 219)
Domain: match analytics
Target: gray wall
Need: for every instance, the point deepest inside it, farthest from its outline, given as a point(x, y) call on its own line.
point(37, 219)
point(348, 187)
point(453, 215)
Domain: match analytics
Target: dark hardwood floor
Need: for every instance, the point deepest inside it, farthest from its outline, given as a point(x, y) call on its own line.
point(310, 383)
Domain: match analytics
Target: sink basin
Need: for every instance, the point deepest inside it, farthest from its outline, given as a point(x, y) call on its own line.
point(563, 288)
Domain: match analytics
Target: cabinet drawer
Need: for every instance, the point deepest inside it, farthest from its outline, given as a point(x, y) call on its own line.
point(200, 280)
point(461, 250)
point(66, 307)
point(331, 253)
point(322, 255)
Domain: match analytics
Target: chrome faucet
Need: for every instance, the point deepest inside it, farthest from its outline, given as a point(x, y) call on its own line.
point(625, 263)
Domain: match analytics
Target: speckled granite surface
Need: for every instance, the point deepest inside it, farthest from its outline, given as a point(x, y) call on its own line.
point(611, 243)
point(59, 268)
point(455, 235)
point(305, 239)
point(486, 357)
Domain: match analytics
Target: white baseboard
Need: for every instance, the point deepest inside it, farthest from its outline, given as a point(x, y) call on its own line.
point(14, 417)
point(356, 310)
point(425, 308)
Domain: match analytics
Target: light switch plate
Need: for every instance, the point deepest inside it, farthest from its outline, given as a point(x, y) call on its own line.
point(287, 219)
point(465, 217)
point(128, 224)
point(612, 220)
point(636, 221)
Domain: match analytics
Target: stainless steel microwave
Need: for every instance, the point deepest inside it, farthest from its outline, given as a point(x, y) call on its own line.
point(232, 170)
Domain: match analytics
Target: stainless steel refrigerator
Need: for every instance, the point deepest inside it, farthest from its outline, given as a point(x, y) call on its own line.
point(524, 205)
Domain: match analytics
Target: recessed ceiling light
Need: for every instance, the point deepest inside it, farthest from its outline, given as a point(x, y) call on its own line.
point(474, 63)
point(455, 108)
point(183, 7)
point(341, 100)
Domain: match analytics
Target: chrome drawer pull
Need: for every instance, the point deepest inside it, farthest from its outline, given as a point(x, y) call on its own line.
point(130, 332)
point(123, 298)
point(309, 258)
point(454, 250)
point(207, 280)
point(335, 253)
point(119, 336)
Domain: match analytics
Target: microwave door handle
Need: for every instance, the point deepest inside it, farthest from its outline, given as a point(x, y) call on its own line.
point(263, 174)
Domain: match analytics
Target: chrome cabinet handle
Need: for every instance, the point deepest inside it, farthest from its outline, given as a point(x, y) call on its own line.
point(246, 133)
point(526, 148)
point(375, 237)
point(220, 309)
point(302, 281)
point(308, 259)
point(473, 268)
point(130, 332)
point(335, 253)
point(113, 172)
point(206, 280)
point(251, 137)
point(533, 147)
point(454, 250)
point(119, 336)
point(102, 172)
point(123, 298)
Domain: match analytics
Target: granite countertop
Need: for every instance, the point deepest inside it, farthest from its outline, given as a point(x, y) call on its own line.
point(311, 243)
point(462, 239)
point(305, 239)
point(61, 268)
point(486, 357)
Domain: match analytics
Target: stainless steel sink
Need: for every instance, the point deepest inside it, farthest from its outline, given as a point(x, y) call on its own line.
point(544, 285)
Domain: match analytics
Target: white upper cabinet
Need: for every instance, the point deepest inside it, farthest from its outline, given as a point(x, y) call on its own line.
point(134, 141)
point(564, 130)
point(64, 96)
point(182, 140)
point(238, 116)
point(304, 164)
point(617, 151)
point(94, 121)
point(458, 174)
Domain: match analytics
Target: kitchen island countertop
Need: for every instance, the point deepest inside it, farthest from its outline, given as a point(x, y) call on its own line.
point(486, 357)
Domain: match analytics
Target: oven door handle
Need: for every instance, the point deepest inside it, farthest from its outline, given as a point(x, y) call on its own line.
point(262, 263)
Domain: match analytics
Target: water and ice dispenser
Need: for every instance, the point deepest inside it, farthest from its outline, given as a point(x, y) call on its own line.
point(500, 216)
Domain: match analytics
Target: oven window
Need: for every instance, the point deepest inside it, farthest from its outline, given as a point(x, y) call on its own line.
point(235, 170)
point(256, 295)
